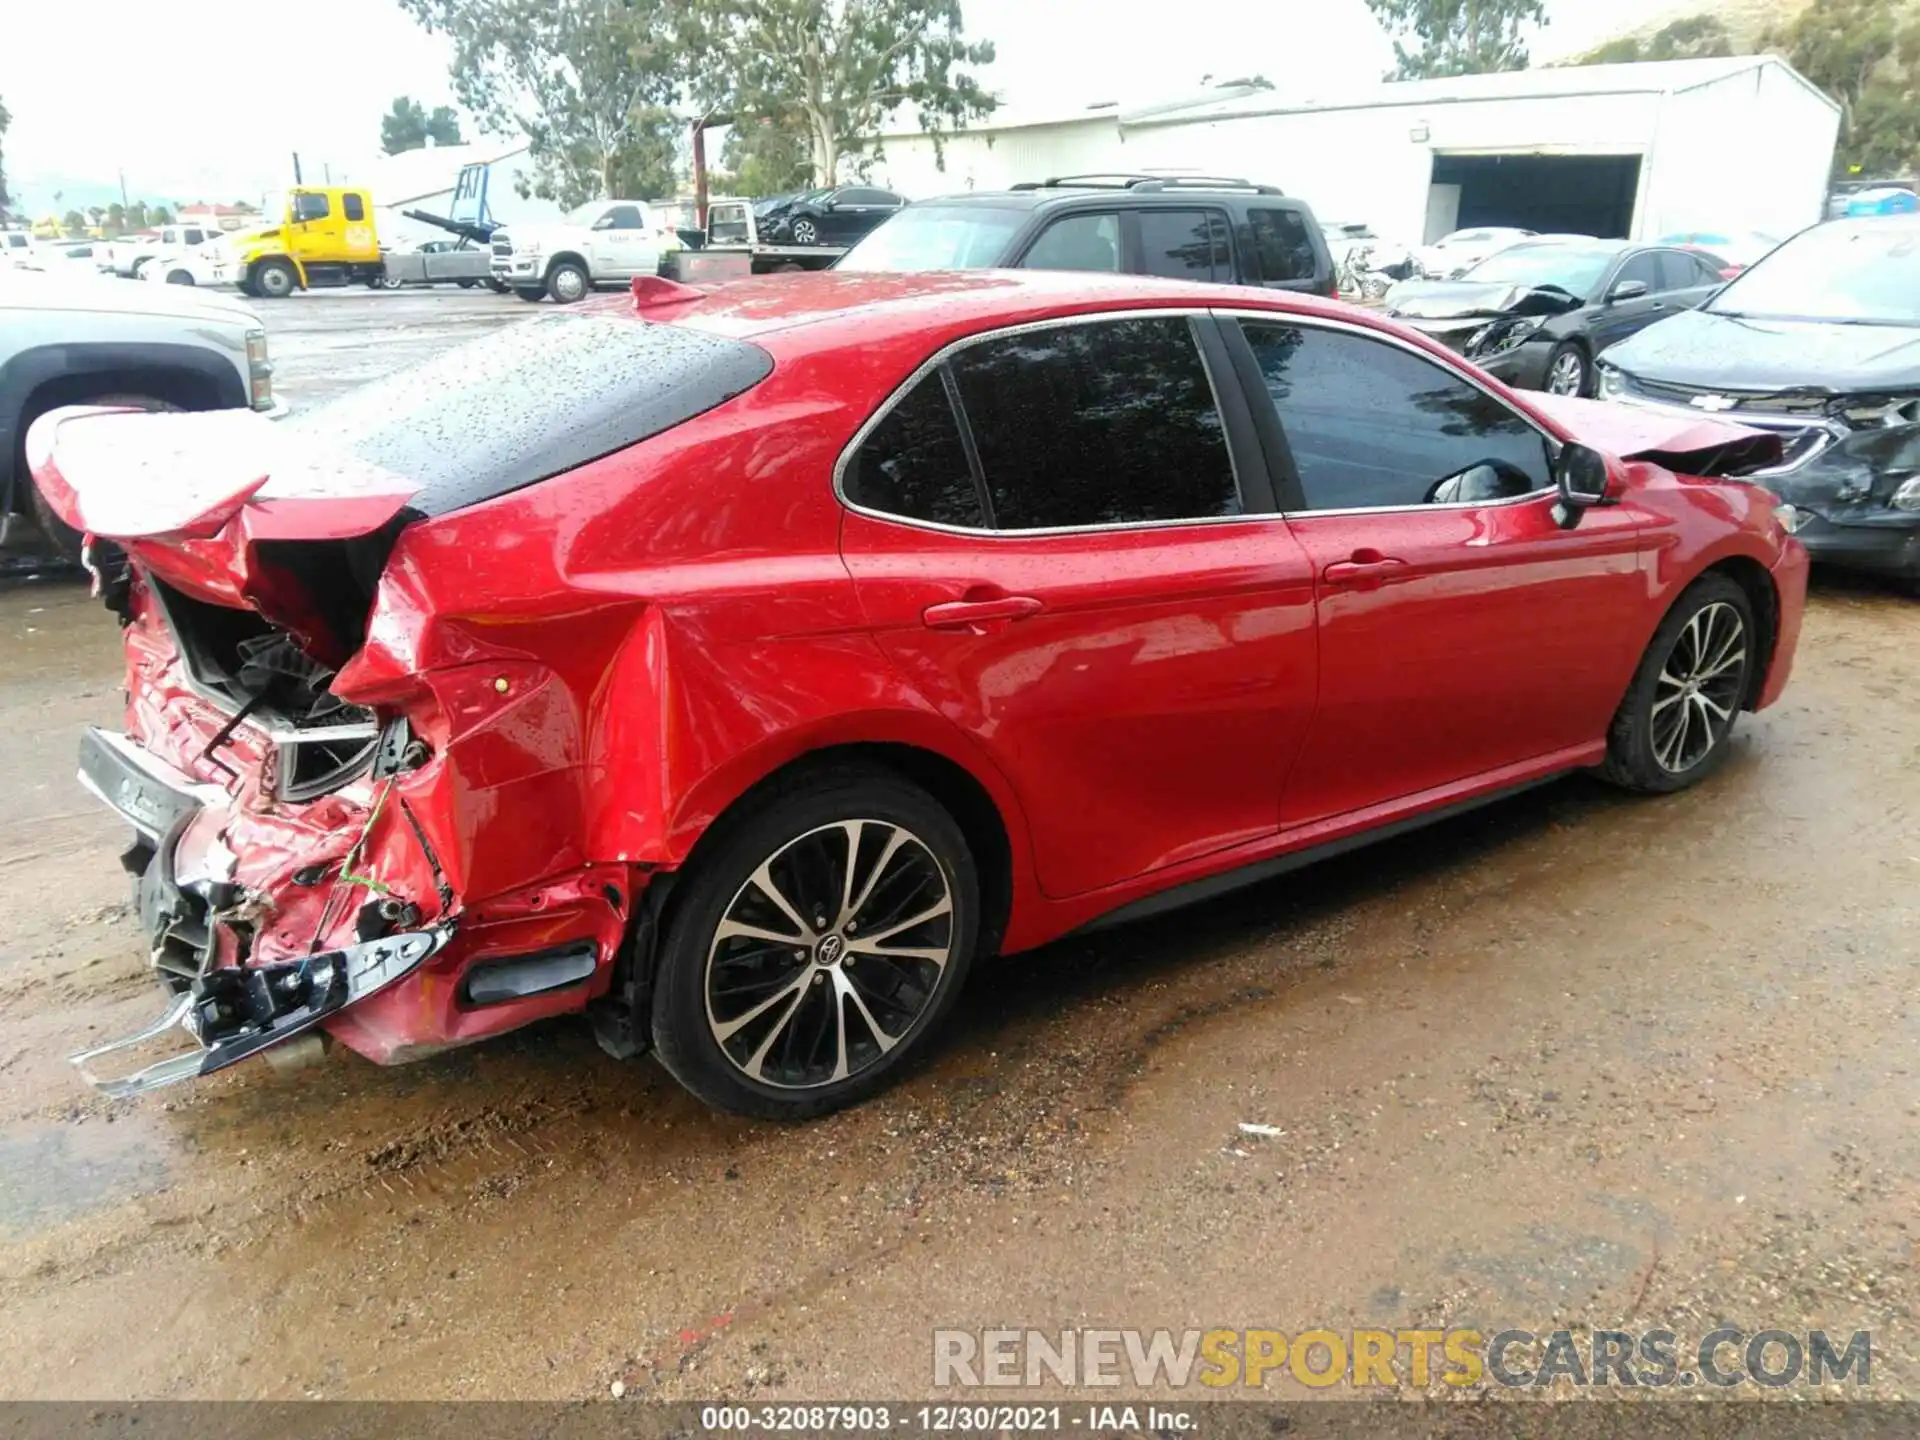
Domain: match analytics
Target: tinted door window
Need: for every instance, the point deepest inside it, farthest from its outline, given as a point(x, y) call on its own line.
point(1370, 424)
point(353, 207)
point(624, 217)
point(1186, 244)
point(1110, 423)
point(868, 197)
point(1077, 242)
point(1281, 244)
point(309, 207)
point(913, 464)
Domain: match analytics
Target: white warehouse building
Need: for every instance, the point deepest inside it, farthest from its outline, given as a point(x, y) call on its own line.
point(1635, 151)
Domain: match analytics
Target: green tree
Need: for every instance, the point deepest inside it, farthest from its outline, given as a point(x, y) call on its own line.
point(137, 215)
point(159, 215)
point(590, 83)
point(116, 219)
point(408, 126)
point(1457, 37)
point(836, 70)
point(1692, 37)
point(74, 223)
point(96, 216)
point(766, 159)
point(5, 120)
point(1866, 55)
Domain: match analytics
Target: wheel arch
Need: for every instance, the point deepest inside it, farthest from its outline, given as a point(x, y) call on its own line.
point(38, 380)
point(563, 258)
point(1764, 596)
point(982, 805)
point(292, 262)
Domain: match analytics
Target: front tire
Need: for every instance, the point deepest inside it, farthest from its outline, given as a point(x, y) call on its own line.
point(815, 945)
point(1569, 372)
point(532, 294)
point(805, 232)
point(274, 279)
point(1671, 731)
point(567, 283)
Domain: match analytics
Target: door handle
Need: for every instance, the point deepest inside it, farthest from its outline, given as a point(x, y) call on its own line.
point(1363, 570)
point(964, 614)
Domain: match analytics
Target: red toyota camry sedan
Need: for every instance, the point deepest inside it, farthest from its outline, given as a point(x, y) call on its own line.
point(738, 668)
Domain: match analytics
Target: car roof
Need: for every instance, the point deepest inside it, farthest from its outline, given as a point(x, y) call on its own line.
point(831, 306)
point(1044, 196)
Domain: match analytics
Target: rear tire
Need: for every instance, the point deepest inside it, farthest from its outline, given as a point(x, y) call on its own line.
point(787, 1018)
point(1671, 730)
point(61, 538)
point(466, 284)
point(274, 279)
point(179, 277)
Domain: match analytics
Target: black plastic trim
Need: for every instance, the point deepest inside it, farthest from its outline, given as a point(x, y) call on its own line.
point(515, 977)
point(1212, 886)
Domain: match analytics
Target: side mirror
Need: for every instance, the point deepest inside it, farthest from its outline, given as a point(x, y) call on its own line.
point(1582, 475)
point(1626, 290)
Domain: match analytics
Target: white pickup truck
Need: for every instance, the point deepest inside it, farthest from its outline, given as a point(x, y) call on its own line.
point(603, 242)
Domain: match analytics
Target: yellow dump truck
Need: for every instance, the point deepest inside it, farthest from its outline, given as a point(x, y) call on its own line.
point(325, 236)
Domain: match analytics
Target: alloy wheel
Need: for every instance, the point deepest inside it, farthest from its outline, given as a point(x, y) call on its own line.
point(805, 232)
point(1698, 689)
point(1568, 375)
point(829, 954)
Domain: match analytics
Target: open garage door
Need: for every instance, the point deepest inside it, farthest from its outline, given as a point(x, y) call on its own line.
point(1554, 194)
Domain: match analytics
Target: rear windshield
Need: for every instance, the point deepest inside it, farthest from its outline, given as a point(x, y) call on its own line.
point(937, 237)
point(526, 402)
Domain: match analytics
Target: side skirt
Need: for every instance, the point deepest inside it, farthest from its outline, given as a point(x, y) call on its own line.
point(1208, 887)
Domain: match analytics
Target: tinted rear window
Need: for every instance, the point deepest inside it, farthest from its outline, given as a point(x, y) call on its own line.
point(524, 403)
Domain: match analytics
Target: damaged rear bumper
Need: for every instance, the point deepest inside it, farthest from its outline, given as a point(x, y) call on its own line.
point(233, 1011)
point(237, 1012)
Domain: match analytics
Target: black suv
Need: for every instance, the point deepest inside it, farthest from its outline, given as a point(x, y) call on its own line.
point(1189, 227)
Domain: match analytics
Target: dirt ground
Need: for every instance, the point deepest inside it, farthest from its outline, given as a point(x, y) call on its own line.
point(1576, 1060)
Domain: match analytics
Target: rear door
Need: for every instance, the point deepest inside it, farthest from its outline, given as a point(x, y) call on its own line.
point(1461, 629)
point(1062, 535)
point(1190, 243)
point(1685, 279)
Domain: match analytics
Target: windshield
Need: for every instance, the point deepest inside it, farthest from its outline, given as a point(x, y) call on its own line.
point(1868, 273)
point(1575, 269)
point(937, 237)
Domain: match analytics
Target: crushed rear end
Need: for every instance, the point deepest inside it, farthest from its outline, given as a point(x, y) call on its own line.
point(326, 834)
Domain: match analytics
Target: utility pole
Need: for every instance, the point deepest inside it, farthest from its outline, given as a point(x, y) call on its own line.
point(123, 189)
point(296, 167)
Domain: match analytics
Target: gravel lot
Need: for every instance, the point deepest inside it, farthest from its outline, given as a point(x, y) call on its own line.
point(1575, 1060)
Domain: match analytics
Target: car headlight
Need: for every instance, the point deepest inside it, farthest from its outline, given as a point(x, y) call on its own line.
point(1502, 336)
point(1613, 384)
point(1876, 414)
point(1907, 497)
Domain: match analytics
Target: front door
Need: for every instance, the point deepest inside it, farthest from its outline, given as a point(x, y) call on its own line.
point(1089, 601)
point(1617, 318)
point(622, 247)
point(1461, 629)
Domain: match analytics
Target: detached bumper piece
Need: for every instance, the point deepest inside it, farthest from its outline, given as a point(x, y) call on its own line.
point(236, 1012)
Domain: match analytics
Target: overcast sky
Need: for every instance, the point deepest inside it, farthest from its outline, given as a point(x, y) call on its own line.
point(197, 100)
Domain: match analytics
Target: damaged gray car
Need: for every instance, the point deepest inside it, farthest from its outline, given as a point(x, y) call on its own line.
point(1819, 343)
point(1539, 314)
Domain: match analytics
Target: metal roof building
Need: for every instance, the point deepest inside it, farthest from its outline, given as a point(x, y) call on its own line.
point(1637, 150)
